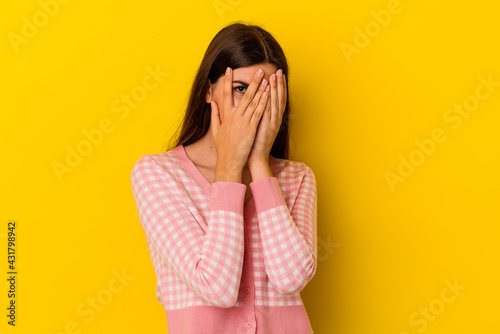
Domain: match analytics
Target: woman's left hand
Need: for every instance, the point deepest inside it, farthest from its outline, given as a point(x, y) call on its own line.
point(270, 121)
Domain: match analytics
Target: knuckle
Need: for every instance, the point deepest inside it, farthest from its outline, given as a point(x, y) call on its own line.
point(253, 104)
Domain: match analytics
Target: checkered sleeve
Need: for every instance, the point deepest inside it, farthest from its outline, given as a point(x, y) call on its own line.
point(288, 236)
point(208, 260)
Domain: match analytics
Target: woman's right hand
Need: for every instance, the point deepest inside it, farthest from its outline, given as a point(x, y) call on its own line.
point(235, 133)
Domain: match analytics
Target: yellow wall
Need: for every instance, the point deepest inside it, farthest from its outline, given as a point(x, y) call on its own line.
point(407, 186)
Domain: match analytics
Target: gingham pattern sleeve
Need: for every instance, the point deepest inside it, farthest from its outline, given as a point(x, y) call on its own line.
point(288, 236)
point(206, 256)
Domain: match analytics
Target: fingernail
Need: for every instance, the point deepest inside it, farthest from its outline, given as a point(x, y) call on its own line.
point(259, 73)
point(274, 77)
point(228, 71)
point(263, 83)
point(267, 88)
point(280, 73)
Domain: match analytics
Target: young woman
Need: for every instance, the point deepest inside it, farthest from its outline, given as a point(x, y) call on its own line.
point(230, 220)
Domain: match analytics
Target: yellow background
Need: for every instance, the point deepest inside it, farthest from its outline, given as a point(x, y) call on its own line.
point(386, 252)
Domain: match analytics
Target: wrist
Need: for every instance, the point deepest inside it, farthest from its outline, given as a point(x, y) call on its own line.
point(260, 161)
point(260, 169)
point(228, 172)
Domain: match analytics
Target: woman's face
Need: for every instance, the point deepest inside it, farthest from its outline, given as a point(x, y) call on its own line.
point(241, 80)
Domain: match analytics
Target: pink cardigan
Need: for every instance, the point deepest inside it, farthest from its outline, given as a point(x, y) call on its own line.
point(223, 267)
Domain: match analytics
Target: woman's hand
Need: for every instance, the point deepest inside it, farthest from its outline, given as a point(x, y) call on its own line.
point(271, 120)
point(234, 134)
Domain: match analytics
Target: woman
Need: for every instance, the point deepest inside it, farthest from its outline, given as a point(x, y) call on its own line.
point(230, 221)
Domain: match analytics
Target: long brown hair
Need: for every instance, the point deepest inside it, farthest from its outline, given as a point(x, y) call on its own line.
point(236, 45)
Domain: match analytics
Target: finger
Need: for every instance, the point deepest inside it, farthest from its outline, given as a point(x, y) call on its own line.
point(256, 115)
point(251, 90)
point(285, 88)
point(215, 118)
point(285, 93)
point(227, 93)
point(274, 98)
point(267, 111)
point(255, 101)
point(280, 91)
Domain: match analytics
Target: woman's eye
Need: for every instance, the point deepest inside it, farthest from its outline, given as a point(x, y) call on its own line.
point(240, 91)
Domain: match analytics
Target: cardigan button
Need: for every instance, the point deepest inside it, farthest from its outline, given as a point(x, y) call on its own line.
point(247, 290)
point(249, 324)
point(245, 256)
